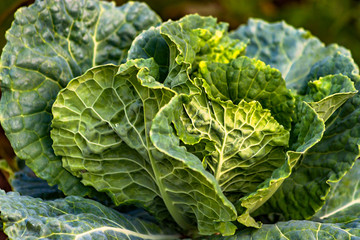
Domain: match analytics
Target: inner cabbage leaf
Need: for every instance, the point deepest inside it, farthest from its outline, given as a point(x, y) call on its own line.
point(249, 79)
point(104, 139)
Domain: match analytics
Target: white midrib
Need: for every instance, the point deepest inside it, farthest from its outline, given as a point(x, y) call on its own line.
point(357, 201)
point(129, 233)
point(94, 37)
point(179, 219)
point(221, 160)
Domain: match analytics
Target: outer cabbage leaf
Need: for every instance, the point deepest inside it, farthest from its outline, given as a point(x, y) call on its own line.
point(71, 218)
point(292, 51)
point(338, 219)
point(343, 201)
point(328, 93)
point(301, 230)
point(249, 79)
point(304, 192)
point(184, 43)
point(101, 128)
point(50, 43)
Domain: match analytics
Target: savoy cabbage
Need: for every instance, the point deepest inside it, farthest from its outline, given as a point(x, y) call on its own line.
point(245, 134)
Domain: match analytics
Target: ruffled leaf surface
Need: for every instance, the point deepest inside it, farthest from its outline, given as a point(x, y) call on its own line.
point(301, 58)
point(50, 43)
point(249, 79)
point(73, 217)
point(104, 139)
point(344, 198)
point(301, 230)
point(328, 93)
point(179, 46)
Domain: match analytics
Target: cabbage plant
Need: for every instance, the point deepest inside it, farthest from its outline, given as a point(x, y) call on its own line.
point(215, 134)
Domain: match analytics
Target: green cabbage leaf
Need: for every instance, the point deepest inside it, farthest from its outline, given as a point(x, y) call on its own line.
point(73, 217)
point(216, 132)
point(48, 44)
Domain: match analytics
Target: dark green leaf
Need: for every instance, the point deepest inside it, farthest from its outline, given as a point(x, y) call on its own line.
point(71, 218)
point(292, 51)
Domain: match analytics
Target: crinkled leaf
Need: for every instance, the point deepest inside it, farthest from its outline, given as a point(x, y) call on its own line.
point(101, 128)
point(150, 44)
point(245, 138)
point(247, 143)
point(307, 130)
point(50, 43)
point(328, 93)
point(292, 51)
point(301, 58)
point(337, 63)
point(344, 197)
point(188, 41)
point(71, 218)
point(249, 79)
point(301, 230)
point(327, 86)
point(304, 192)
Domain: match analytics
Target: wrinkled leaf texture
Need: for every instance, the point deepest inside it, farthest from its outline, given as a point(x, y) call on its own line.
point(50, 43)
point(73, 217)
point(302, 58)
point(338, 219)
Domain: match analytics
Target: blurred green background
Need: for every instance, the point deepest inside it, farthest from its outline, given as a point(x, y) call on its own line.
point(333, 21)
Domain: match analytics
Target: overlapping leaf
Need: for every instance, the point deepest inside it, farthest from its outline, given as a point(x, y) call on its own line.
point(302, 58)
point(72, 218)
point(328, 93)
point(304, 192)
point(248, 144)
point(249, 79)
point(104, 139)
point(299, 230)
point(343, 200)
point(338, 219)
point(50, 43)
point(179, 46)
point(292, 51)
point(306, 131)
